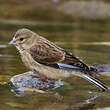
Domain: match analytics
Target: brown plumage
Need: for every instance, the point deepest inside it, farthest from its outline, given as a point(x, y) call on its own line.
point(45, 58)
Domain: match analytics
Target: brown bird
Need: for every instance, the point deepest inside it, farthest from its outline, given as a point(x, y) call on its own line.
point(47, 59)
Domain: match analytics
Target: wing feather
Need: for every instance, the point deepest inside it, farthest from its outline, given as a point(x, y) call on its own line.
point(45, 52)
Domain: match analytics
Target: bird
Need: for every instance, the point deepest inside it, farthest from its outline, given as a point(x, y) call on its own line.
point(47, 59)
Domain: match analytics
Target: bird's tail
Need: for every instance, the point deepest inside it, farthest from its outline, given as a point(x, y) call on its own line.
point(94, 81)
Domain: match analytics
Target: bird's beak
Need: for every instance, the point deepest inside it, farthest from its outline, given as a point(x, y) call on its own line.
point(12, 42)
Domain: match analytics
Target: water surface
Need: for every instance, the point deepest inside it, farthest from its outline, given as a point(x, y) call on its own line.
point(88, 40)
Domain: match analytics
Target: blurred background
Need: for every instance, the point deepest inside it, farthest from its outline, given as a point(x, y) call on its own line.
point(79, 26)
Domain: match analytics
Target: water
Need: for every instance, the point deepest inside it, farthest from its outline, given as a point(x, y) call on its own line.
point(88, 40)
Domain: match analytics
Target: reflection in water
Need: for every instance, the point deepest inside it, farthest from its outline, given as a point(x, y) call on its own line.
point(85, 39)
point(87, 104)
point(106, 108)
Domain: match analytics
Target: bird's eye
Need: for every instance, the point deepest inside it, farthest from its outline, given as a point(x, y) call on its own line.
point(21, 39)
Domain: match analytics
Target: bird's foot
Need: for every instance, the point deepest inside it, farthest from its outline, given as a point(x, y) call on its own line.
point(43, 78)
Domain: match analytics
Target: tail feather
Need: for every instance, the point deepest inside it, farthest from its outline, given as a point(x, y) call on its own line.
point(94, 81)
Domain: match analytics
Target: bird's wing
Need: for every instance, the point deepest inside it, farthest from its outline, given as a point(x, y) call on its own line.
point(49, 54)
point(71, 59)
point(46, 53)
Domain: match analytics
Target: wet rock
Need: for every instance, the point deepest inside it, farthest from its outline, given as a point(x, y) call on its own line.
point(35, 81)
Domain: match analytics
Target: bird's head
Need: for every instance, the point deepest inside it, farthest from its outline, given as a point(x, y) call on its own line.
point(23, 39)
